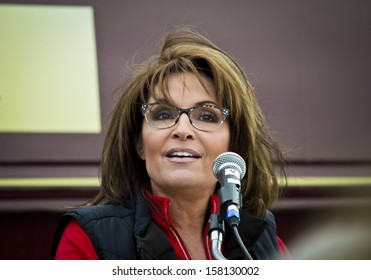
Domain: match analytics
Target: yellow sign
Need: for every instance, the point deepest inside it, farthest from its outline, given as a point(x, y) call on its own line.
point(48, 70)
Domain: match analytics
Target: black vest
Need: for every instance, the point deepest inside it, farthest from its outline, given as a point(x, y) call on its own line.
point(117, 232)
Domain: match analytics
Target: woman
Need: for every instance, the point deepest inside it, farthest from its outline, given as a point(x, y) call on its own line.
point(181, 110)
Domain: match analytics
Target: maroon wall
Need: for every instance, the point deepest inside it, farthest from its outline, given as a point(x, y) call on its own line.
point(308, 60)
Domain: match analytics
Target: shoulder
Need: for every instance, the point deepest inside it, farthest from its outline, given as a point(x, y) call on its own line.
point(266, 246)
point(270, 219)
point(75, 244)
point(102, 224)
point(99, 213)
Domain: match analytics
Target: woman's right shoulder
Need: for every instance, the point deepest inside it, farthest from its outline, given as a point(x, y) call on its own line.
point(97, 212)
point(80, 225)
point(75, 244)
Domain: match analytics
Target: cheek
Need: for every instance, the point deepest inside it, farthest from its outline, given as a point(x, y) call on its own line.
point(151, 143)
point(218, 144)
point(149, 155)
point(221, 141)
point(142, 146)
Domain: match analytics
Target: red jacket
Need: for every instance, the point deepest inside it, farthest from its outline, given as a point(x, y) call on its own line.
point(76, 244)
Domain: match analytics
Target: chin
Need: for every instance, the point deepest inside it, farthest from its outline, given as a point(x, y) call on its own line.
point(190, 182)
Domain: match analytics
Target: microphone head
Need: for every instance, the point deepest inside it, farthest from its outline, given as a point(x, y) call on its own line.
point(229, 159)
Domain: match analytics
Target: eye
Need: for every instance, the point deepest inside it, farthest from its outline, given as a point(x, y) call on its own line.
point(206, 114)
point(161, 112)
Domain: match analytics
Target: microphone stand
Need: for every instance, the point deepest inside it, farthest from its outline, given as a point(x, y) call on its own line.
point(216, 233)
point(230, 202)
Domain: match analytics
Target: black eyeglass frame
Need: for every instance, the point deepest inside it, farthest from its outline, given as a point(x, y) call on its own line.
point(187, 111)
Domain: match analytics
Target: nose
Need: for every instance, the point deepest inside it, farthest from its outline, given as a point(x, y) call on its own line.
point(183, 129)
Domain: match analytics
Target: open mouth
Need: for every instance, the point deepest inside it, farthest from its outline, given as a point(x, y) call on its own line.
point(182, 155)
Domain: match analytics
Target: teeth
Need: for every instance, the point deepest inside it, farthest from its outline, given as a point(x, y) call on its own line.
point(182, 154)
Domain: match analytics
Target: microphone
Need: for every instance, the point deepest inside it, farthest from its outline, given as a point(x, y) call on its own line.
point(229, 168)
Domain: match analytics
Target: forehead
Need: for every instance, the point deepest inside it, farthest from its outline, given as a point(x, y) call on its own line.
point(184, 89)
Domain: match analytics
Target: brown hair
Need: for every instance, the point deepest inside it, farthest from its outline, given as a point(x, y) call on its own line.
point(123, 172)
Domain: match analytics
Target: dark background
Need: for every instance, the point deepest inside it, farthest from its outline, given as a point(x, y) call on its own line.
point(309, 62)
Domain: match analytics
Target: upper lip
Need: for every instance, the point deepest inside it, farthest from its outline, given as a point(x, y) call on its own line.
point(185, 150)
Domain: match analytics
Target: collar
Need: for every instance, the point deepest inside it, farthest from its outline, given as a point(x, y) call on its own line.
point(251, 228)
point(160, 207)
point(160, 204)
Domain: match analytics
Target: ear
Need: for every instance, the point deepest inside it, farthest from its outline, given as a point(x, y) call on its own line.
point(139, 148)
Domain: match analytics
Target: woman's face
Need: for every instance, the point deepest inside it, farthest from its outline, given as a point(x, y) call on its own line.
point(180, 158)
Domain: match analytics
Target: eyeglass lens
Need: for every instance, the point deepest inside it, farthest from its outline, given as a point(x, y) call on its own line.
point(205, 117)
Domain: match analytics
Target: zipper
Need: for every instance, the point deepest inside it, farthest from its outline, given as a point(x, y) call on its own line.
point(176, 235)
point(213, 209)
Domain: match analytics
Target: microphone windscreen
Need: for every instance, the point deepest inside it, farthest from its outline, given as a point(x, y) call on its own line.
point(229, 158)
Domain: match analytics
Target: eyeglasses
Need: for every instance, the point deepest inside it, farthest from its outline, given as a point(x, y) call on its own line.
point(206, 117)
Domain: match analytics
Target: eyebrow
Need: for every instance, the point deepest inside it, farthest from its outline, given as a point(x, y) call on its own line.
point(204, 102)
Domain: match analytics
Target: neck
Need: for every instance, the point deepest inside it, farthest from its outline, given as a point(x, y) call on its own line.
point(189, 221)
point(187, 208)
point(188, 215)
